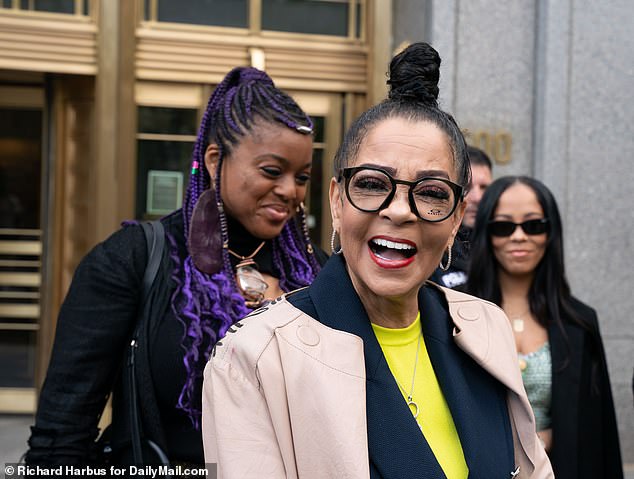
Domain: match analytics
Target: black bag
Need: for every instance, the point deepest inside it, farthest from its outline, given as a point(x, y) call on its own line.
point(143, 450)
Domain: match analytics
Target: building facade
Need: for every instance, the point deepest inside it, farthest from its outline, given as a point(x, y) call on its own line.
point(100, 101)
point(99, 106)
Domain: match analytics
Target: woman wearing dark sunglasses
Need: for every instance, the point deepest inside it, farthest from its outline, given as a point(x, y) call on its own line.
point(371, 372)
point(518, 263)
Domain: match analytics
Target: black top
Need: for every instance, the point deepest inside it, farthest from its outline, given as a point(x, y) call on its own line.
point(94, 326)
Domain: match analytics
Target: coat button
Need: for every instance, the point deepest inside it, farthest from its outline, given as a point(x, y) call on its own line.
point(308, 335)
point(469, 313)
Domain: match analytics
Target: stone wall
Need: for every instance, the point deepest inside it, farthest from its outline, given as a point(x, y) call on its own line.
point(556, 78)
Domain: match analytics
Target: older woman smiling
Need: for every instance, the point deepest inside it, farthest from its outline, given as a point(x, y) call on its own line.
point(370, 371)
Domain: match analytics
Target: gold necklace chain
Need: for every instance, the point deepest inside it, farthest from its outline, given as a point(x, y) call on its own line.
point(244, 258)
point(410, 402)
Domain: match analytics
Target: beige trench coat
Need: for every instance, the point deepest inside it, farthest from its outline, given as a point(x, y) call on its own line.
point(263, 419)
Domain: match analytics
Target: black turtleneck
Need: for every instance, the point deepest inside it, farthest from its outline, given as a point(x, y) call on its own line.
point(244, 243)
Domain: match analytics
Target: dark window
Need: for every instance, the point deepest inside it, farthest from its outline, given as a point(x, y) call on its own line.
point(171, 121)
point(224, 13)
point(164, 147)
point(20, 167)
point(325, 17)
point(318, 127)
point(58, 6)
point(314, 219)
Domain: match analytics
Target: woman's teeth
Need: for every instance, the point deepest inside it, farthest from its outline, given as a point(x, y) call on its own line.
point(391, 249)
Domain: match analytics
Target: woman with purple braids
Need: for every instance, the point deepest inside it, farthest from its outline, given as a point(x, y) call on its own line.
point(239, 240)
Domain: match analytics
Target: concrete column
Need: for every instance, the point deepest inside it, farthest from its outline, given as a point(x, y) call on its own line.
point(443, 20)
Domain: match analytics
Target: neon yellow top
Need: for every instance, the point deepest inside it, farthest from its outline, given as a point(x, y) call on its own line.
point(434, 418)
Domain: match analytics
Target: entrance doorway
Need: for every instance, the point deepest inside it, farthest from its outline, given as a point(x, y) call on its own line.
point(21, 110)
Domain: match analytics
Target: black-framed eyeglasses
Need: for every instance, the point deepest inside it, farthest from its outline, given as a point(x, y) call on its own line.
point(372, 189)
point(530, 227)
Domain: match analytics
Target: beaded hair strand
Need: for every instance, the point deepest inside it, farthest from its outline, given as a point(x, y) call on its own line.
point(207, 305)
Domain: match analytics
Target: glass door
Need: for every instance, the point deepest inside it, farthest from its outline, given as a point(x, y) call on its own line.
point(20, 244)
point(326, 110)
point(168, 118)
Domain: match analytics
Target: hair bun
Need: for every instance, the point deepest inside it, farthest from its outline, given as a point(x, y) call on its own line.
point(414, 74)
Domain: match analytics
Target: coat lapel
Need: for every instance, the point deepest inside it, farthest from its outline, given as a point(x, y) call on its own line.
point(484, 334)
point(392, 430)
point(448, 370)
point(476, 400)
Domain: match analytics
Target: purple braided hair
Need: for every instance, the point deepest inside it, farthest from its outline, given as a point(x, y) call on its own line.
point(207, 305)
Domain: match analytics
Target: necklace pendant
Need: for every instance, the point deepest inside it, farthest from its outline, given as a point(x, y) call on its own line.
point(518, 325)
point(251, 283)
point(413, 407)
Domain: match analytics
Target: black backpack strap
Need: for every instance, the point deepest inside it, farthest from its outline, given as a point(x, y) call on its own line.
point(155, 239)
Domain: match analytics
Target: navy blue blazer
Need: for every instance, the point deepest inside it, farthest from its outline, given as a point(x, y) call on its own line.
point(477, 401)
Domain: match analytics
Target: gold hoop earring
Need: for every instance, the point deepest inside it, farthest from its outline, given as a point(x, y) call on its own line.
point(333, 246)
point(446, 267)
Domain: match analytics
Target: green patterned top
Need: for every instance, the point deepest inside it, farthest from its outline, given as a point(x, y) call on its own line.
point(537, 377)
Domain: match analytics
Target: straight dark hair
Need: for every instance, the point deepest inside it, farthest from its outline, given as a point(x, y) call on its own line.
point(549, 296)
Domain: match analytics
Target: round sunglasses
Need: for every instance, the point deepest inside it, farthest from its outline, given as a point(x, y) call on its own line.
point(530, 227)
